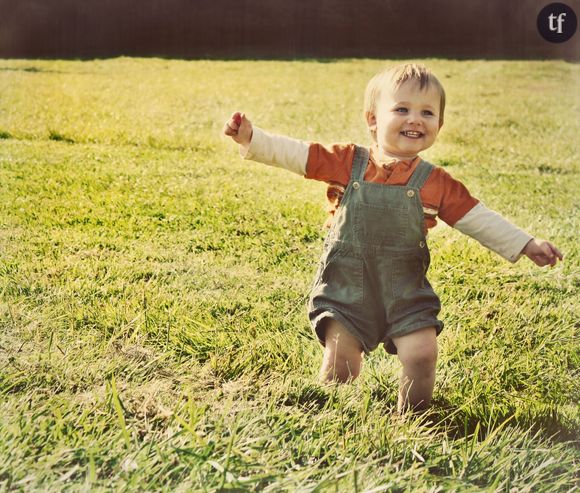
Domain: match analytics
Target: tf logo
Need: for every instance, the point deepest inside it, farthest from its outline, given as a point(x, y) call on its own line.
point(557, 22)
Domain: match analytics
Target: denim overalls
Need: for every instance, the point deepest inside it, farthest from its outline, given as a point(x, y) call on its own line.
point(371, 276)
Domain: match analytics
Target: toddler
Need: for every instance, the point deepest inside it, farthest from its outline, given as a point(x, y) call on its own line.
point(371, 285)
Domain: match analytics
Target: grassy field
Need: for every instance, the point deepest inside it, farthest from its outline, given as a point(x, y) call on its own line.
point(153, 331)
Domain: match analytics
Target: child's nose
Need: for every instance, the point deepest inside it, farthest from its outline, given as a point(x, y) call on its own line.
point(414, 117)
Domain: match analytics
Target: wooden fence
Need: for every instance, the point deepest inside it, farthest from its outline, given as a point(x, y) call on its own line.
point(278, 29)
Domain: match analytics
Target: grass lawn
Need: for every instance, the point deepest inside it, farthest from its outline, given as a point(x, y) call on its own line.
point(153, 330)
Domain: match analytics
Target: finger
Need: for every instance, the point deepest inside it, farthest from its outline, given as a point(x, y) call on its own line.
point(229, 131)
point(556, 252)
point(232, 126)
point(549, 260)
point(552, 253)
point(244, 121)
point(235, 121)
point(546, 250)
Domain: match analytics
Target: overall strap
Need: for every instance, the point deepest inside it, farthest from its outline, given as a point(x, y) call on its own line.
point(420, 175)
point(359, 163)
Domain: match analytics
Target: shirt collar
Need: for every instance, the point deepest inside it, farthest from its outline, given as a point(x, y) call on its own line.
point(389, 161)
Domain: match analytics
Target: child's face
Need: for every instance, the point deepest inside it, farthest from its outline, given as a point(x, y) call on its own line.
point(406, 120)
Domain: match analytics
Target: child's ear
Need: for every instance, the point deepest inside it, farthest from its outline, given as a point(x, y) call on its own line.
point(371, 120)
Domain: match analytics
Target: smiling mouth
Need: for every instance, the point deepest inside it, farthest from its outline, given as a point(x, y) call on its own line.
point(412, 134)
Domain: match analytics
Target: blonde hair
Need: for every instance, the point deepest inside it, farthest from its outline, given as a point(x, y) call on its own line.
point(395, 77)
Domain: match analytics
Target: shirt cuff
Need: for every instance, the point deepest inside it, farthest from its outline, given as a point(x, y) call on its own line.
point(494, 232)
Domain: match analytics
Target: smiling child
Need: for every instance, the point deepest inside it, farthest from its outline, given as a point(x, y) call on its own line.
point(371, 285)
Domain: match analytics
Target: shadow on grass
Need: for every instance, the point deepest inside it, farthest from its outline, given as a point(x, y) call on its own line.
point(465, 421)
point(309, 397)
point(59, 137)
point(458, 422)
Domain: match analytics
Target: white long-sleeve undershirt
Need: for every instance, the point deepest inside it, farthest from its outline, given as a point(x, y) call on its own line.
point(494, 231)
point(278, 151)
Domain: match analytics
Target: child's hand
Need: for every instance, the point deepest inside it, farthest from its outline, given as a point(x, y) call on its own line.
point(239, 128)
point(542, 252)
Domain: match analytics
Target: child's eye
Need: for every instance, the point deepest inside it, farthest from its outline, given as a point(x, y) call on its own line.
point(428, 112)
point(401, 110)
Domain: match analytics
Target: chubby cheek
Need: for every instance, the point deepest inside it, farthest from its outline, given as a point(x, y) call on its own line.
point(432, 134)
point(388, 129)
point(385, 136)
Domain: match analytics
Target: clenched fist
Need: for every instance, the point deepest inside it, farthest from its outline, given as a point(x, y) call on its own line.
point(239, 128)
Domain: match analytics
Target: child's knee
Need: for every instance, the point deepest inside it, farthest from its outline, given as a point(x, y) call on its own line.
point(418, 349)
point(425, 357)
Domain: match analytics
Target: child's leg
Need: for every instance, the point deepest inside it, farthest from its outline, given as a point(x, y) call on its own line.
point(342, 354)
point(417, 352)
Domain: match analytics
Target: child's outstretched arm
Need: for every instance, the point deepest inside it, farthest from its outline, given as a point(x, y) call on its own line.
point(273, 150)
point(504, 238)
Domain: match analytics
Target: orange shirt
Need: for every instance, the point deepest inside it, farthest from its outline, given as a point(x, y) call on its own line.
point(441, 195)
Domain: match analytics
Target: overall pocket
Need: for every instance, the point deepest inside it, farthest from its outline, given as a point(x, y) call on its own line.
point(381, 225)
point(409, 276)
